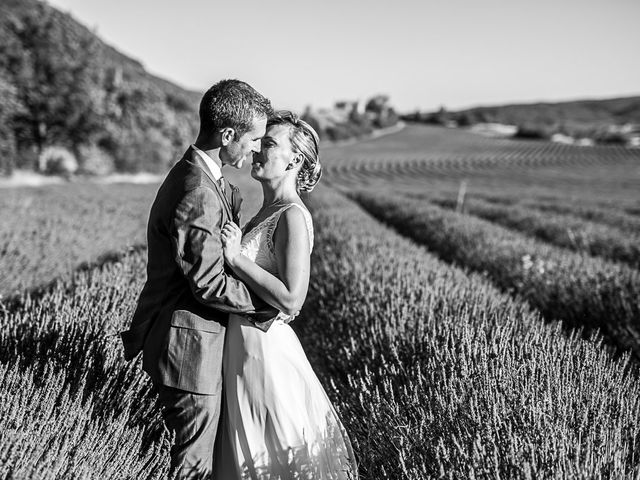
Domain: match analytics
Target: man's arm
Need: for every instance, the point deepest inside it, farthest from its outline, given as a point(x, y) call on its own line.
point(288, 290)
point(198, 251)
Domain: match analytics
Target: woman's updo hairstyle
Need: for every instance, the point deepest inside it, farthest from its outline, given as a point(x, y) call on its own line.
point(304, 140)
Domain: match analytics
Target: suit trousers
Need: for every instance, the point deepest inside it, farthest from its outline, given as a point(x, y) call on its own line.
point(194, 419)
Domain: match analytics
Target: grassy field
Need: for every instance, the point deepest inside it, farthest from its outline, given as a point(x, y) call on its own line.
point(49, 232)
point(450, 335)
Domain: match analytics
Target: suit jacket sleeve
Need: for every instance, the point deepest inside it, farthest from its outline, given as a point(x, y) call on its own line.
point(196, 227)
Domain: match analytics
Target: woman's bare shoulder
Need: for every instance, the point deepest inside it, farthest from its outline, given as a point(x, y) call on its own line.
point(292, 224)
point(294, 217)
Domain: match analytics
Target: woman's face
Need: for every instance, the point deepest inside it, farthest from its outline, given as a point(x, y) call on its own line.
point(275, 155)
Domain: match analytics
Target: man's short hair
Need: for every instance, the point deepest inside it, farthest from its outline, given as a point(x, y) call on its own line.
point(232, 104)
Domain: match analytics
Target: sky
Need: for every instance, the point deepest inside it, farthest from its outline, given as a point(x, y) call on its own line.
point(422, 53)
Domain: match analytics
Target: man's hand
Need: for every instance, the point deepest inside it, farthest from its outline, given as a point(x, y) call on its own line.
point(287, 318)
point(231, 236)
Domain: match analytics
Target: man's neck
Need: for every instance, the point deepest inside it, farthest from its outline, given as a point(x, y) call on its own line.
point(212, 152)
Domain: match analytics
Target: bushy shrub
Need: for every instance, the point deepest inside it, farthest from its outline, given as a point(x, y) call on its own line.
point(57, 160)
point(612, 138)
point(386, 119)
point(464, 119)
point(534, 132)
point(147, 151)
point(362, 122)
point(178, 103)
point(95, 160)
point(309, 117)
point(337, 132)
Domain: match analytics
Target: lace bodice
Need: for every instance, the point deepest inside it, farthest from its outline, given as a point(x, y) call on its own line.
point(257, 244)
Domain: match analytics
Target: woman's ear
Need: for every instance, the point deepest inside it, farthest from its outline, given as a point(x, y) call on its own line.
point(227, 135)
point(297, 160)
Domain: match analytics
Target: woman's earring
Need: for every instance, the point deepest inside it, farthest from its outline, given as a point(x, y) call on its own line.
point(293, 164)
point(296, 161)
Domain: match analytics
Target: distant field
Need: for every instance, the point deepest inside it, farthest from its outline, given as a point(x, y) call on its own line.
point(584, 199)
point(431, 317)
point(437, 160)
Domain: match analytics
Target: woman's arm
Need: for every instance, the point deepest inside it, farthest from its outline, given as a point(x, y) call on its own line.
point(291, 243)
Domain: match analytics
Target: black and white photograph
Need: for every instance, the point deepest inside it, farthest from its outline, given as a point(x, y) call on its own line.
point(295, 240)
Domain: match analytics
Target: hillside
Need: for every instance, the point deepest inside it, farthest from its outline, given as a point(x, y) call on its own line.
point(76, 103)
point(590, 112)
point(605, 121)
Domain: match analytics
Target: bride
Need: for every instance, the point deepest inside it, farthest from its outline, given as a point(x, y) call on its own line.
point(278, 422)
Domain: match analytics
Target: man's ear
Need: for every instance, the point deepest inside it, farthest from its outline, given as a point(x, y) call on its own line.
point(227, 135)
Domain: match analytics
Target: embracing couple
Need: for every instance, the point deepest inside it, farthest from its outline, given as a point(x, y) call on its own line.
point(235, 387)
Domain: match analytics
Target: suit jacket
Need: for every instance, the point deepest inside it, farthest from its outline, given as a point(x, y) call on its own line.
point(181, 315)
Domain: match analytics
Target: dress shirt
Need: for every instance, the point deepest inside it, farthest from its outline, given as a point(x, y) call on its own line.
point(213, 167)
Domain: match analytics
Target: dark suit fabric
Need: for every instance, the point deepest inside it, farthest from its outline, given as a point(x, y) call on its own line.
point(195, 421)
point(182, 311)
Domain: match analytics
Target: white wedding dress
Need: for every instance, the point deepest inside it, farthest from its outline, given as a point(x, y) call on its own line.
point(278, 422)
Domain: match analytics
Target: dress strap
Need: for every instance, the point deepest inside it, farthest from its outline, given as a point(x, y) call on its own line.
point(273, 222)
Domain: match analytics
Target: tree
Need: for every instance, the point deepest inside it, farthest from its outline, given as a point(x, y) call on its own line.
point(383, 114)
point(8, 107)
point(58, 79)
point(377, 104)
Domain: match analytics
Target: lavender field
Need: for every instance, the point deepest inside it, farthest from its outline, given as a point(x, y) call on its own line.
point(474, 312)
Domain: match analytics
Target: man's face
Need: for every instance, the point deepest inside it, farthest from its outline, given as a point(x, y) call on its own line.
point(243, 148)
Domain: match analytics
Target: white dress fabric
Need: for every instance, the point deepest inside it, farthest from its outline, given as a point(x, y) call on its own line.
point(278, 422)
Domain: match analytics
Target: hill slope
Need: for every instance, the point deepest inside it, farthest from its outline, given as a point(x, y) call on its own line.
point(606, 121)
point(65, 88)
point(602, 112)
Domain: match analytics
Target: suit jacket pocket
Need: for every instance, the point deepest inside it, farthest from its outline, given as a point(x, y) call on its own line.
point(186, 319)
point(194, 354)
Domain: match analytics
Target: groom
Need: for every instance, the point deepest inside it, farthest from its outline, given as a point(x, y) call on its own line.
point(180, 319)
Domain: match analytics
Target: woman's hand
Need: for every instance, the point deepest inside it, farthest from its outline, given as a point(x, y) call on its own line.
point(231, 236)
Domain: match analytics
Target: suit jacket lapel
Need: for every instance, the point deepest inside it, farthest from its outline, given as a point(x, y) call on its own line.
point(226, 203)
point(227, 192)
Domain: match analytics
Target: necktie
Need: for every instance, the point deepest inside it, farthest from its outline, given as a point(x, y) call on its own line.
point(221, 182)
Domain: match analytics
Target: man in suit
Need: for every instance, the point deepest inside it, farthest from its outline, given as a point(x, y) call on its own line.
point(180, 319)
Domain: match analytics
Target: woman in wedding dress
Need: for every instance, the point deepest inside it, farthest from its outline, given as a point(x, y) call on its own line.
point(278, 422)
